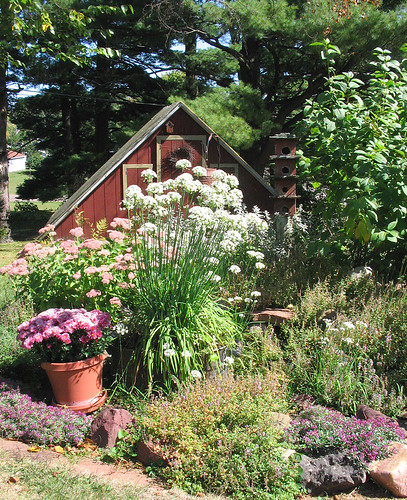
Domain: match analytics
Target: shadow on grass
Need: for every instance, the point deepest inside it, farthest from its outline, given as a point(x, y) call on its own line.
point(24, 224)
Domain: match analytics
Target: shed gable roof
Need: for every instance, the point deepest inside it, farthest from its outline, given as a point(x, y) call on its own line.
point(132, 145)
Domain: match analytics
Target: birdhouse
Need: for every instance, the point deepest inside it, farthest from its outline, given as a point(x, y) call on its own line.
point(285, 174)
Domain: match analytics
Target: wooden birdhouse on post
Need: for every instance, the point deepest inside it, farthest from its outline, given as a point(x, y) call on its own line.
point(285, 173)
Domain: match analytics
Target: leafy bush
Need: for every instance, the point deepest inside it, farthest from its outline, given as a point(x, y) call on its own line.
point(318, 430)
point(259, 351)
point(291, 268)
point(356, 141)
point(26, 420)
point(222, 435)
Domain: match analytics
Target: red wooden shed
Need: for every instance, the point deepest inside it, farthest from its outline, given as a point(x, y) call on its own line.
point(174, 132)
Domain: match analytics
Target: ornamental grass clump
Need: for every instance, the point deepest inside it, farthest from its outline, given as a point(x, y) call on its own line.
point(188, 237)
point(35, 422)
point(319, 430)
point(64, 335)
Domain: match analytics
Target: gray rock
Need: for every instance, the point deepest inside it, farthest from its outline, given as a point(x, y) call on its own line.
point(332, 473)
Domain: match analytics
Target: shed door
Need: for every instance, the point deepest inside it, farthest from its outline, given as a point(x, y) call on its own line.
point(173, 148)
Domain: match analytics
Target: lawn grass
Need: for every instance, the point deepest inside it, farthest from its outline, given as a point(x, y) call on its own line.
point(25, 479)
point(15, 179)
point(42, 206)
point(9, 251)
point(42, 481)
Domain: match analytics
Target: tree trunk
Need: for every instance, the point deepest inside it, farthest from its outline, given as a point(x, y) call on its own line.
point(191, 81)
point(70, 123)
point(249, 71)
point(4, 196)
point(102, 105)
point(67, 125)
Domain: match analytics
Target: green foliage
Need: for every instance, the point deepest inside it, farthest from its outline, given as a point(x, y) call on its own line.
point(260, 351)
point(356, 160)
point(222, 435)
point(163, 275)
point(236, 113)
point(290, 267)
point(347, 348)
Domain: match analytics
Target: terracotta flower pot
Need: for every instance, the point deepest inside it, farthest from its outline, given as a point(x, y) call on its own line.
point(77, 385)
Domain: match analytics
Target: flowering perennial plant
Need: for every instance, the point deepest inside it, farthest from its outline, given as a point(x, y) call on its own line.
point(189, 235)
point(220, 434)
point(319, 430)
point(62, 335)
point(35, 422)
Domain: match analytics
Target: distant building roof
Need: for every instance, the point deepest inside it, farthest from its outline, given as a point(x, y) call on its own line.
point(11, 155)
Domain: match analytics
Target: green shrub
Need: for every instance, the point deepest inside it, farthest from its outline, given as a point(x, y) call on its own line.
point(221, 435)
point(259, 351)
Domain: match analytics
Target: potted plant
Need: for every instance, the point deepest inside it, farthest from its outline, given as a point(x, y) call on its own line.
point(72, 343)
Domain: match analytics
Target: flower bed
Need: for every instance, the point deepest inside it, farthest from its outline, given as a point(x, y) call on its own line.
point(35, 422)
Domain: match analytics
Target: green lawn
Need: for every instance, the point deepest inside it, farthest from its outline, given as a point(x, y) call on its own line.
point(15, 179)
point(9, 251)
point(26, 217)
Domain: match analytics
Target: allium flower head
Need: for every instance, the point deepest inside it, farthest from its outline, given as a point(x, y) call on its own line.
point(349, 325)
point(183, 164)
point(199, 171)
point(148, 175)
point(219, 175)
point(155, 189)
point(234, 269)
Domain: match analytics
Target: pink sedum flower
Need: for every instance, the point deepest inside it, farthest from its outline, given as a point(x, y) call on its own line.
point(107, 278)
point(116, 236)
point(115, 301)
point(121, 222)
point(77, 232)
point(92, 244)
point(46, 229)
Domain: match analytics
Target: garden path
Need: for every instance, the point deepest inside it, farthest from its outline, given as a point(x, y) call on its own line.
point(150, 488)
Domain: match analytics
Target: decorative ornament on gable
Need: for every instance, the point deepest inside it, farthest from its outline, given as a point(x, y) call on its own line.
point(169, 127)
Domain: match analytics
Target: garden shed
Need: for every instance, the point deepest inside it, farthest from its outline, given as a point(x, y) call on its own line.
point(175, 132)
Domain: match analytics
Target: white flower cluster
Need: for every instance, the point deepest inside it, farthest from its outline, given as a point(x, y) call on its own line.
point(199, 172)
point(183, 164)
point(216, 205)
point(148, 175)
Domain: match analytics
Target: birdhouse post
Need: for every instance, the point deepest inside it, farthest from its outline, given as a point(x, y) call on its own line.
point(285, 173)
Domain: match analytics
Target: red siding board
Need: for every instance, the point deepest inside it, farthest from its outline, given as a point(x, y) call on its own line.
point(254, 193)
